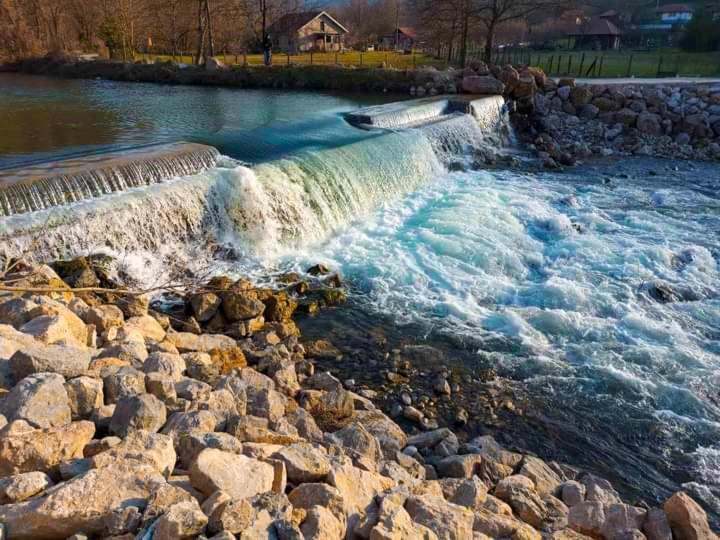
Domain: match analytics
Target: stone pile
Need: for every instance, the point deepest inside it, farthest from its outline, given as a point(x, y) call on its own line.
point(115, 424)
point(678, 121)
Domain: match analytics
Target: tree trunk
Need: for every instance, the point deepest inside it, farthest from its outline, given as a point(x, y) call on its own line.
point(464, 37)
point(208, 22)
point(489, 41)
point(201, 34)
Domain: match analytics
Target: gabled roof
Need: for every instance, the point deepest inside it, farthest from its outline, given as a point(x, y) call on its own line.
point(674, 8)
point(409, 32)
point(596, 27)
point(295, 21)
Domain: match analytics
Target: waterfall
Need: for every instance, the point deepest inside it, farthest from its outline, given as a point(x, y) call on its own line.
point(268, 210)
point(45, 186)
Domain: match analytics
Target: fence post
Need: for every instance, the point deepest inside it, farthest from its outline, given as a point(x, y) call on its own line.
point(569, 69)
point(659, 68)
point(582, 64)
point(629, 68)
point(559, 65)
point(386, 60)
point(336, 59)
point(311, 58)
point(361, 63)
point(288, 58)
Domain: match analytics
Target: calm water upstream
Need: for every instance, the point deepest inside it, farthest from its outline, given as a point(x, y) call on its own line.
point(547, 276)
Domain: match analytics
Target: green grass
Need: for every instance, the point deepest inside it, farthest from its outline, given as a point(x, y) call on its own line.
point(617, 63)
point(347, 59)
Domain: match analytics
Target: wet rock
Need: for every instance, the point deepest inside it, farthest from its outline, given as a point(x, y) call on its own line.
point(141, 412)
point(448, 521)
point(81, 504)
point(687, 519)
point(239, 476)
point(84, 394)
point(182, 520)
point(20, 487)
point(304, 462)
point(39, 399)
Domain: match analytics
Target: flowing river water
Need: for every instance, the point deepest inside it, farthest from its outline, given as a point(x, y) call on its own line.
point(595, 290)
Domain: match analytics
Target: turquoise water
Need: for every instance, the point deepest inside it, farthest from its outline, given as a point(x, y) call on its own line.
point(597, 290)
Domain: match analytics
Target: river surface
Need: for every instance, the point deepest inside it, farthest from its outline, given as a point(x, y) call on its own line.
point(596, 290)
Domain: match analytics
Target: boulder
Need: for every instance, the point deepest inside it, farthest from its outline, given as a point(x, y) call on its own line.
point(650, 124)
point(25, 449)
point(395, 523)
point(482, 85)
point(356, 486)
point(39, 399)
point(545, 479)
point(620, 518)
point(141, 412)
point(169, 364)
point(147, 326)
point(447, 520)
point(459, 466)
point(142, 447)
point(183, 520)
point(65, 360)
point(205, 306)
point(228, 515)
point(122, 383)
point(82, 504)
point(359, 443)
point(241, 306)
point(191, 444)
point(599, 490)
point(321, 524)
point(20, 487)
point(519, 492)
point(182, 424)
point(239, 476)
point(580, 96)
point(657, 525)
point(587, 518)
point(687, 519)
point(85, 394)
point(572, 493)
point(187, 342)
point(304, 462)
point(105, 317)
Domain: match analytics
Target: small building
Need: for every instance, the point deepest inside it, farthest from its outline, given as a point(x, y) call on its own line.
point(597, 34)
point(307, 31)
point(675, 14)
point(402, 39)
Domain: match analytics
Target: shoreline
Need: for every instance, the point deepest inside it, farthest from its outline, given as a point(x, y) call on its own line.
point(127, 330)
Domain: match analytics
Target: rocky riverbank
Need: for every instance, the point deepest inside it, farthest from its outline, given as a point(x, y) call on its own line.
point(203, 415)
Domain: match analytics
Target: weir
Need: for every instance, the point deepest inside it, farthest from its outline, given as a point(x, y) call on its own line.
point(45, 185)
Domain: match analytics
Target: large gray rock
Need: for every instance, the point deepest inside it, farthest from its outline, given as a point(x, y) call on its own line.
point(182, 520)
point(239, 476)
point(39, 399)
point(20, 487)
point(520, 493)
point(587, 518)
point(65, 360)
point(133, 413)
point(191, 444)
point(83, 504)
point(171, 365)
point(482, 85)
point(657, 525)
point(126, 381)
point(26, 449)
point(141, 447)
point(182, 424)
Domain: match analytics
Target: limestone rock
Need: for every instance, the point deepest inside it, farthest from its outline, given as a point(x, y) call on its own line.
point(231, 516)
point(687, 519)
point(459, 466)
point(20, 487)
point(599, 490)
point(163, 497)
point(471, 493)
point(81, 504)
point(125, 382)
point(241, 477)
point(356, 486)
point(105, 317)
point(205, 306)
point(172, 365)
point(191, 444)
point(182, 520)
point(620, 518)
point(572, 493)
point(39, 399)
point(657, 525)
point(141, 412)
point(147, 326)
point(321, 524)
point(304, 462)
point(394, 523)
point(182, 424)
point(448, 521)
point(545, 479)
point(65, 360)
point(149, 449)
point(358, 442)
point(519, 492)
point(85, 395)
point(25, 449)
point(186, 342)
point(587, 518)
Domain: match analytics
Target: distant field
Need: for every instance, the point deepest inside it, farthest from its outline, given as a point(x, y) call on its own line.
point(351, 58)
point(668, 63)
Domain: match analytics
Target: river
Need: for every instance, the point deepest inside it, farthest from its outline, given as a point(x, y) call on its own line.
point(595, 291)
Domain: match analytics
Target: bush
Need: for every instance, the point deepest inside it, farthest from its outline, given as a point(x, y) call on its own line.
point(702, 34)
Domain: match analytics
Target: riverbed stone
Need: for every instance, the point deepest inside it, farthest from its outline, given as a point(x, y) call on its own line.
point(39, 399)
point(140, 412)
point(239, 476)
point(687, 519)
